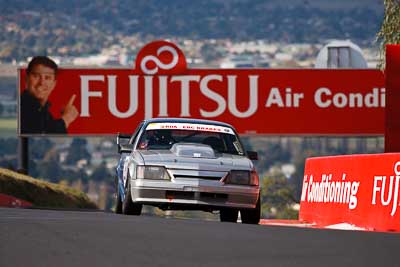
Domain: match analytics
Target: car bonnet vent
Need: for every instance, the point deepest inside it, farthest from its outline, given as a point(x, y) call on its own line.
point(192, 150)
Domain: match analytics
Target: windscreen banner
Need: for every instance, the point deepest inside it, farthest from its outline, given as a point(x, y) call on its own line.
point(78, 101)
point(360, 190)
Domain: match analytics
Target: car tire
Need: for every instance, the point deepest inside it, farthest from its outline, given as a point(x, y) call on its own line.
point(118, 201)
point(128, 206)
point(228, 215)
point(251, 216)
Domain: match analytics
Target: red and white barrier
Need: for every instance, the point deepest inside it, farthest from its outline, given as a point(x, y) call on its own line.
point(358, 190)
point(13, 202)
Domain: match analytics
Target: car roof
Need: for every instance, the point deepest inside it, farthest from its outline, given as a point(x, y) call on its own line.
point(187, 120)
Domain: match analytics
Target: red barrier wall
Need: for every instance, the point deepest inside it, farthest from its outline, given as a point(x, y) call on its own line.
point(362, 190)
point(392, 110)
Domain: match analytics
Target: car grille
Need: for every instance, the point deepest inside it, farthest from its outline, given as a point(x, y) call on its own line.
point(215, 178)
point(204, 196)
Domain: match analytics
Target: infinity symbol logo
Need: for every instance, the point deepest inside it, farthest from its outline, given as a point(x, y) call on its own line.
point(158, 63)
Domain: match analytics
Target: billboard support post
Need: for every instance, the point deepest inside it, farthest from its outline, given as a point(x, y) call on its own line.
point(23, 158)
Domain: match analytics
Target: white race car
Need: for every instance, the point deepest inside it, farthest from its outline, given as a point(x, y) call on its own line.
point(175, 163)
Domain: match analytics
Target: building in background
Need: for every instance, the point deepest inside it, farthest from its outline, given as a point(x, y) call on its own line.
point(341, 54)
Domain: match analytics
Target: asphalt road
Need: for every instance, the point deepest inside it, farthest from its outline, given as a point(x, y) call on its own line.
point(73, 238)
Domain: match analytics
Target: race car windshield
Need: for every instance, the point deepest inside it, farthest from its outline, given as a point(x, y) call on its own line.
point(163, 139)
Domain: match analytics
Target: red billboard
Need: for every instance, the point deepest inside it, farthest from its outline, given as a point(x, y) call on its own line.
point(254, 101)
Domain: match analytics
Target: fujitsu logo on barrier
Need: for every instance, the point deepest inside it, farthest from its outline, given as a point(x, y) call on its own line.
point(383, 183)
point(328, 191)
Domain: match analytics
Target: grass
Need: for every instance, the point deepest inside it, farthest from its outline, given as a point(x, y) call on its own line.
point(8, 127)
point(41, 193)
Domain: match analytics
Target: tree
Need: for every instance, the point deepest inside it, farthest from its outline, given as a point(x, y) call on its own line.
point(210, 53)
point(277, 198)
point(71, 176)
point(8, 146)
point(39, 147)
point(101, 173)
point(271, 154)
point(77, 151)
point(390, 29)
point(50, 170)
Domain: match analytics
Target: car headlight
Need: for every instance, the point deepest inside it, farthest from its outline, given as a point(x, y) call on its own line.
point(242, 178)
point(152, 172)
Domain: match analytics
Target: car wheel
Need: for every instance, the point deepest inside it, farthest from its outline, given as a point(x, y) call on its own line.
point(251, 216)
point(118, 204)
point(228, 215)
point(128, 206)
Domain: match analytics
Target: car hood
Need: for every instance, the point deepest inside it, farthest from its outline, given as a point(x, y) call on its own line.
point(195, 157)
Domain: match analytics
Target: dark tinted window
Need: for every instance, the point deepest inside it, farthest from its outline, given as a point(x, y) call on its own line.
point(165, 138)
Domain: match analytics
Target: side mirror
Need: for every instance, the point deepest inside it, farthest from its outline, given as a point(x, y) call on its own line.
point(253, 155)
point(125, 147)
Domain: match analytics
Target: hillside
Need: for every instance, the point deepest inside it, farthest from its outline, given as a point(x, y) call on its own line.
point(41, 193)
point(75, 28)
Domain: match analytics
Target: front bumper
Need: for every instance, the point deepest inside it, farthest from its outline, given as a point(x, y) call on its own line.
point(194, 192)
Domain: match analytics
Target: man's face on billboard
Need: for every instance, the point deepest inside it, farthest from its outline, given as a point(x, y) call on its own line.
point(41, 82)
